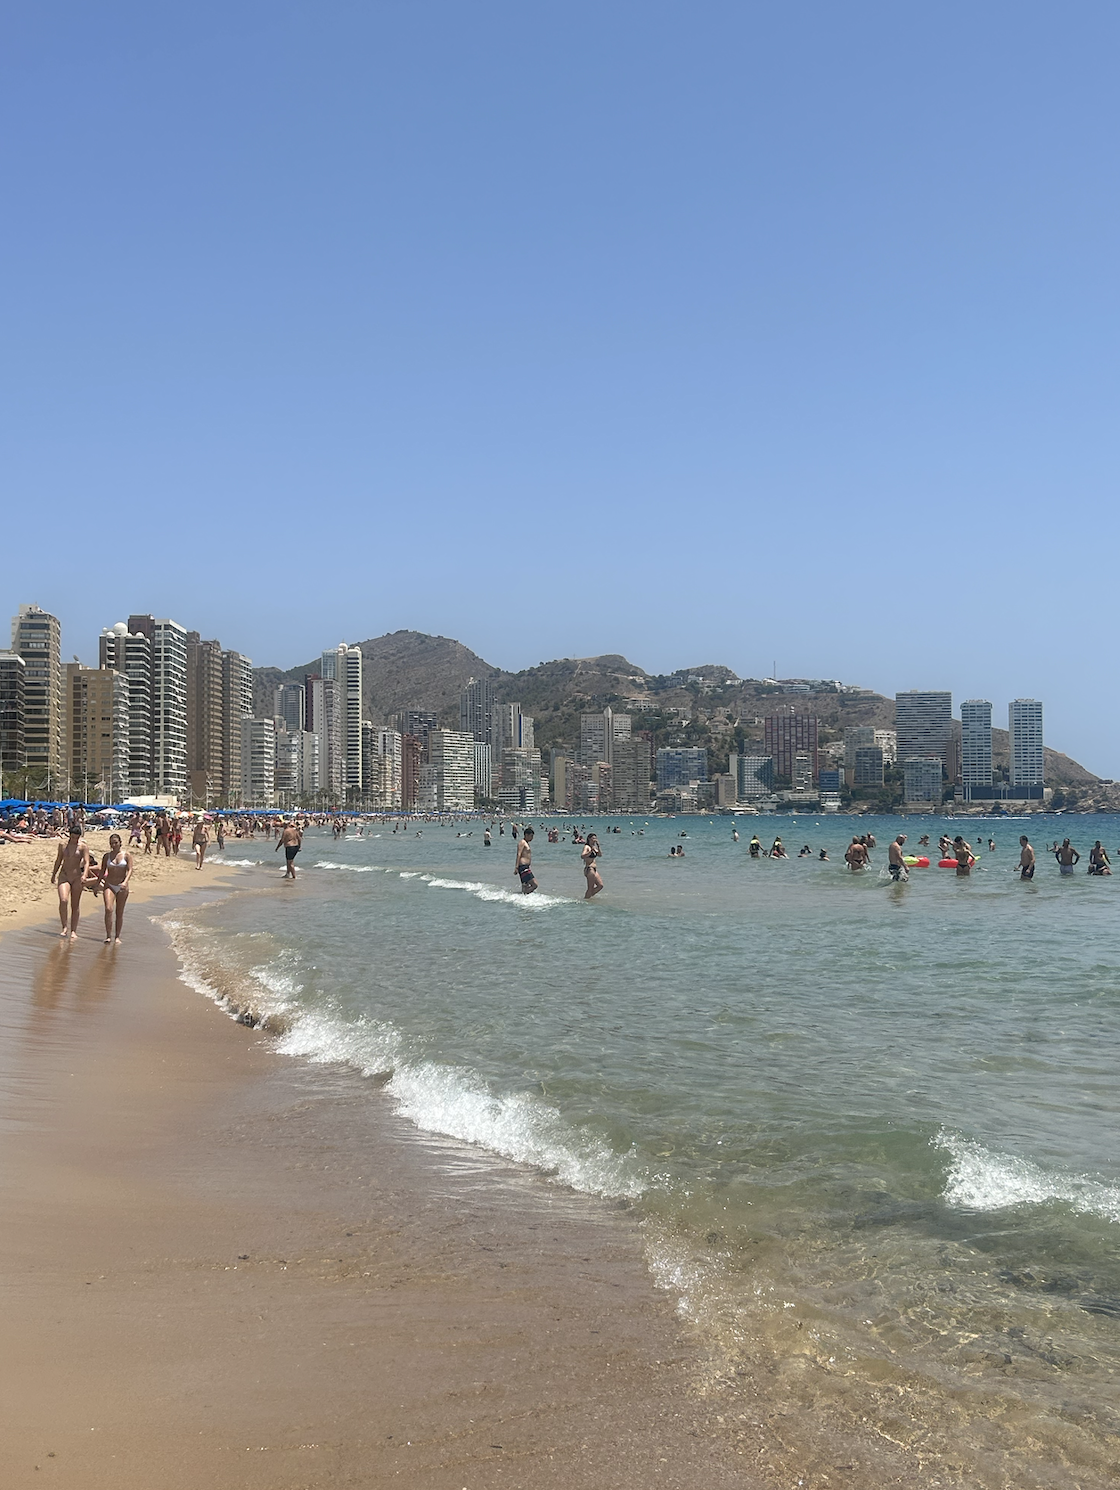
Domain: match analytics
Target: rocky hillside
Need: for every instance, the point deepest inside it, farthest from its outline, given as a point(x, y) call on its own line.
point(706, 704)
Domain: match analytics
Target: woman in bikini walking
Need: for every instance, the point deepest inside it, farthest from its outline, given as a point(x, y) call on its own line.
point(116, 871)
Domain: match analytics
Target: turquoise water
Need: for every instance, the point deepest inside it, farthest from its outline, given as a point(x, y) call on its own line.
point(868, 1126)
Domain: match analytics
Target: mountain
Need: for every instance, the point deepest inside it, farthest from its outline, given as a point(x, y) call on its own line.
point(707, 704)
point(403, 670)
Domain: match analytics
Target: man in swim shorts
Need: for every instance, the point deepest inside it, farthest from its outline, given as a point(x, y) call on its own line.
point(291, 840)
point(1067, 856)
point(1026, 858)
point(894, 859)
point(523, 864)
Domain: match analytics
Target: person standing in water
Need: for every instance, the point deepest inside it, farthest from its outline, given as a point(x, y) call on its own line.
point(1098, 860)
point(486, 838)
point(962, 852)
point(291, 841)
point(1026, 858)
point(116, 871)
point(71, 867)
point(755, 846)
point(1067, 856)
point(856, 855)
point(523, 863)
point(589, 853)
point(895, 862)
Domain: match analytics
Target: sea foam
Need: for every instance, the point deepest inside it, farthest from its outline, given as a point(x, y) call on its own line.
point(980, 1180)
point(457, 1102)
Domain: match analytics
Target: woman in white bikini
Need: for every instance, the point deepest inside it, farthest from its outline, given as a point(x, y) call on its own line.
point(116, 871)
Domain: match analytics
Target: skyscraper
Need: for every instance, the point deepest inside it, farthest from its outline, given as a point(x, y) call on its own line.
point(786, 735)
point(1024, 722)
point(599, 733)
point(451, 755)
point(510, 729)
point(12, 706)
point(677, 766)
point(169, 701)
point(922, 778)
point(976, 747)
point(350, 671)
point(475, 704)
point(37, 638)
point(237, 705)
point(98, 735)
point(205, 720)
point(288, 705)
point(258, 761)
point(130, 653)
point(924, 724)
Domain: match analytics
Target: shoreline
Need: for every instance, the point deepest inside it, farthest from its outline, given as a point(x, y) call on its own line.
point(223, 1268)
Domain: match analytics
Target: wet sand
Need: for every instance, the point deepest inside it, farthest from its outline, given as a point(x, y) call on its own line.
point(222, 1267)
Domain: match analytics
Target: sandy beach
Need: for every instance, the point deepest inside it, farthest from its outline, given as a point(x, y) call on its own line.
point(27, 895)
point(222, 1269)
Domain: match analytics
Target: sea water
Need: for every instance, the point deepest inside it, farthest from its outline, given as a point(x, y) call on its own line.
point(870, 1127)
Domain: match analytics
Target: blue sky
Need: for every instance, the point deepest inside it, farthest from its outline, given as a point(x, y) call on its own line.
point(703, 333)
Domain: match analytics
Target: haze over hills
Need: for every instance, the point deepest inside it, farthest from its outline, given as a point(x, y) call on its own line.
point(706, 704)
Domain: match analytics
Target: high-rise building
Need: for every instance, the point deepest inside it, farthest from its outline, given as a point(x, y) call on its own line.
point(169, 701)
point(308, 764)
point(561, 766)
point(205, 721)
point(510, 729)
point(37, 638)
point(520, 790)
point(581, 788)
point(412, 752)
point(924, 722)
point(630, 777)
point(784, 736)
point(678, 765)
point(130, 653)
point(599, 733)
point(922, 778)
point(97, 730)
point(237, 706)
point(451, 753)
point(754, 776)
point(475, 704)
point(258, 762)
point(289, 763)
point(483, 771)
point(1024, 722)
point(867, 768)
point(350, 666)
point(976, 747)
point(288, 705)
point(13, 756)
point(390, 755)
point(418, 723)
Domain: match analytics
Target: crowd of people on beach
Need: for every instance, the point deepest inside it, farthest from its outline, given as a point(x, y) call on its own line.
point(77, 871)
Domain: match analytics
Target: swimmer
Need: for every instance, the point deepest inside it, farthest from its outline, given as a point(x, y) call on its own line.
point(1067, 856)
point(1098, 860)
point(291, 840)
point(523, 863)
point(589, 853)
point(895, 862)
point(755, 846)
point(962, 852)
point(1026, 858)
point(856, 854)
point(823, 856)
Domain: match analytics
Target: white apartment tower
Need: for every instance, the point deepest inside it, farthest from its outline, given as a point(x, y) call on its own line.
point(924, 724)
point(1024, 722)
point(37, 638)
point(976, 744)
